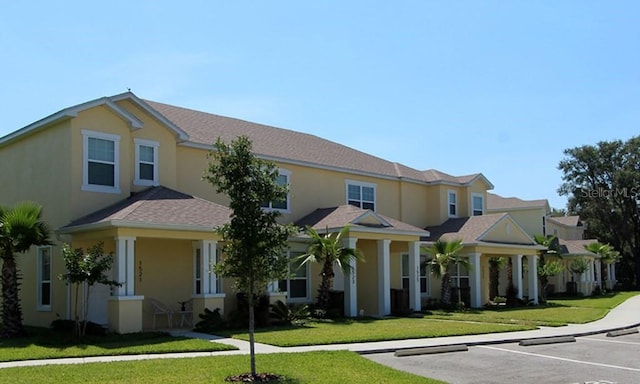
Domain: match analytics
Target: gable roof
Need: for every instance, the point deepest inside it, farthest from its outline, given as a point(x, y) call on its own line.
point(434, 176)
point(567, 221)
point(362, 220)
point(498, 203)
point(156, 207)
point(474, 229)
point(576, 247)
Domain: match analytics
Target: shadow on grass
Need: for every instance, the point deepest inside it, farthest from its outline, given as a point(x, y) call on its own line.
point(60, 340)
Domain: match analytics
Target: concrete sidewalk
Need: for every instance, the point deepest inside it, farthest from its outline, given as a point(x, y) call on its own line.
point(626, 315)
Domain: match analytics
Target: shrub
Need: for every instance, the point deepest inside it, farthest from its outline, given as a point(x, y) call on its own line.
point(211, 321)
point(283, 314)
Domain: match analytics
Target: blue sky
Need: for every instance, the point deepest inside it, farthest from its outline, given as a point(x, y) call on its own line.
point(498, 87)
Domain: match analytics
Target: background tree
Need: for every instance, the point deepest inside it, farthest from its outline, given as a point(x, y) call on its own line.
point(547, 269)
point(607, 254)
point(602, 183)
point(578, 266)
point(328, 249)
point(444, 255)
point(88, 269)
point(254, 243)
point(20, 228)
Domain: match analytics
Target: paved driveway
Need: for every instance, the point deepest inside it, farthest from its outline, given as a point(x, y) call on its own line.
point(591, 359)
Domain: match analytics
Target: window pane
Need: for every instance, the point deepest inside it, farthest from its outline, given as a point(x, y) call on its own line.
point(198, 287)
point(452, 209)
point(355, 203)
point(368, 194)
point(146, 153)
point(354, 192)
point(282, 286)
point(405, 283)
point(45, 264)
point(45, 297)
point(101, 150)
point(279, 204)
point(146, 171)
point(405, 265)
point(282, 180)
point(370, 206)
point(477, 202)
point(298, 288)
point(464, 282)
point(101, 174)
point(452, 198)
point(423, 285)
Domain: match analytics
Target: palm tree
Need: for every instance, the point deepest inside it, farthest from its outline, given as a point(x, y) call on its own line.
point(547, 269)
point(607, 254)
point(444, 254)
point(328, 250)
point(20, 228)
point(495, 265)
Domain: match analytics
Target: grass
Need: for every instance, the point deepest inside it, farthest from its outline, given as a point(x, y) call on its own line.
point(45, 344)
point(557, 312)
point(299, 368)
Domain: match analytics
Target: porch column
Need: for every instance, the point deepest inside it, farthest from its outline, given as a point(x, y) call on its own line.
point(532, 262)
point(599, 273)
point(414, 276)
point(125, 265)
point(124, 308)
point(350, 284)
point(474, 280)
point(384, 284)
point(516, 274)
point(613, 274)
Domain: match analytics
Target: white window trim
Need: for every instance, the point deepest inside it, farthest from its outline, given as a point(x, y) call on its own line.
point(197, 268)
point(39, 280)
point(147, 143)
point(449, 203)
point(481, 196)
point(456, 276)
point(423, 258)
point(287, 173)
point(362, 184)
point(86, 134)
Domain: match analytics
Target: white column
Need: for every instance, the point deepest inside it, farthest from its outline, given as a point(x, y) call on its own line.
point(613, 274)
point(599, 273)
point(350, 284)
point(414, 276)
point(125, 265)
point(516, 273)
point(384, 283)
point(532, 261)
point(474, 280)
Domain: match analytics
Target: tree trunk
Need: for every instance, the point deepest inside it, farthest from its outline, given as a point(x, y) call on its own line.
point(494, 281)
point(252, 347)
point(325, 284)
point(445, 295)
point(11, 309)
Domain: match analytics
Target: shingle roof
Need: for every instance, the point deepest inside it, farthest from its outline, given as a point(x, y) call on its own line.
point(467, 229)
point(497, 202)
point(569, 221)
point(158, 206)
point(433, 175)
point(576, 247)
point(356, 218)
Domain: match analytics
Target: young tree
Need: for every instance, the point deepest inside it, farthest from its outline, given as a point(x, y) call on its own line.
point(444, 254)
point(547, 269)
point(20, 228)
point(254, 243)
point(88, 268)
point(328, 250)
point(602, 182)
point(495, 265)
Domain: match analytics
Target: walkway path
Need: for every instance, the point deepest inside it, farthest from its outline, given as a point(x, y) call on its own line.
point(626, 315)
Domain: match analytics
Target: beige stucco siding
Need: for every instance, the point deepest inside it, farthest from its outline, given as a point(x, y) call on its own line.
point(528, 219)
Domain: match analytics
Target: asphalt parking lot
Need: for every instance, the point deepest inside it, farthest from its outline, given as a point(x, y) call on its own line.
point(590, 359)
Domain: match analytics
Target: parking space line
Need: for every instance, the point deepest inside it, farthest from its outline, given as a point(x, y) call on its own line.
point(608, 341)
point(560, 358)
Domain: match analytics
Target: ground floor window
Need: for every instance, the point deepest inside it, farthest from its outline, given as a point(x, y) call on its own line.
point(424, 274)
point(297, 284)
point(44, 278)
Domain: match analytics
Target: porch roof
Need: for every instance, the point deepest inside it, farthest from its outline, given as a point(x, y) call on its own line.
point(156, 207)
point(576, 247)
point(358, 219)
point(475, 229)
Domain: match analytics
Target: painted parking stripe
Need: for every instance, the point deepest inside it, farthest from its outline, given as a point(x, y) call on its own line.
point(608, 340)
point(561, 358)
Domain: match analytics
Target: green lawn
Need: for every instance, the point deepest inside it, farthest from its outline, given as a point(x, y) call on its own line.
point(299, 368)
point(557, 312)
point(45, 344)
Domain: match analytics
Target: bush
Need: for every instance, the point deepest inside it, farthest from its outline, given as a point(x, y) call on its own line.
point(283, 314)
point(211, 321)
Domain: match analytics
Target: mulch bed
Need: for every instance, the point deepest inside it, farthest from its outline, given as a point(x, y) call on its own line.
point(257, 378)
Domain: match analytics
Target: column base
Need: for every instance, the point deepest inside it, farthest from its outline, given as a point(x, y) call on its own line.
point(125, 314)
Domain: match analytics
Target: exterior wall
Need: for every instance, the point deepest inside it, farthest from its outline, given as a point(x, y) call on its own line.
point(529, 219)
point(565, 232)
point(367, 278)
point(415, 204)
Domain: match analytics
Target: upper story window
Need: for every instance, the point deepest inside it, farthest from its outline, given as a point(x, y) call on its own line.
point(284, 178)
point(477, 204)
point(146, 172)
point(453, 203)
point(44, 278)
point(361, 194)
point(101, 152)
